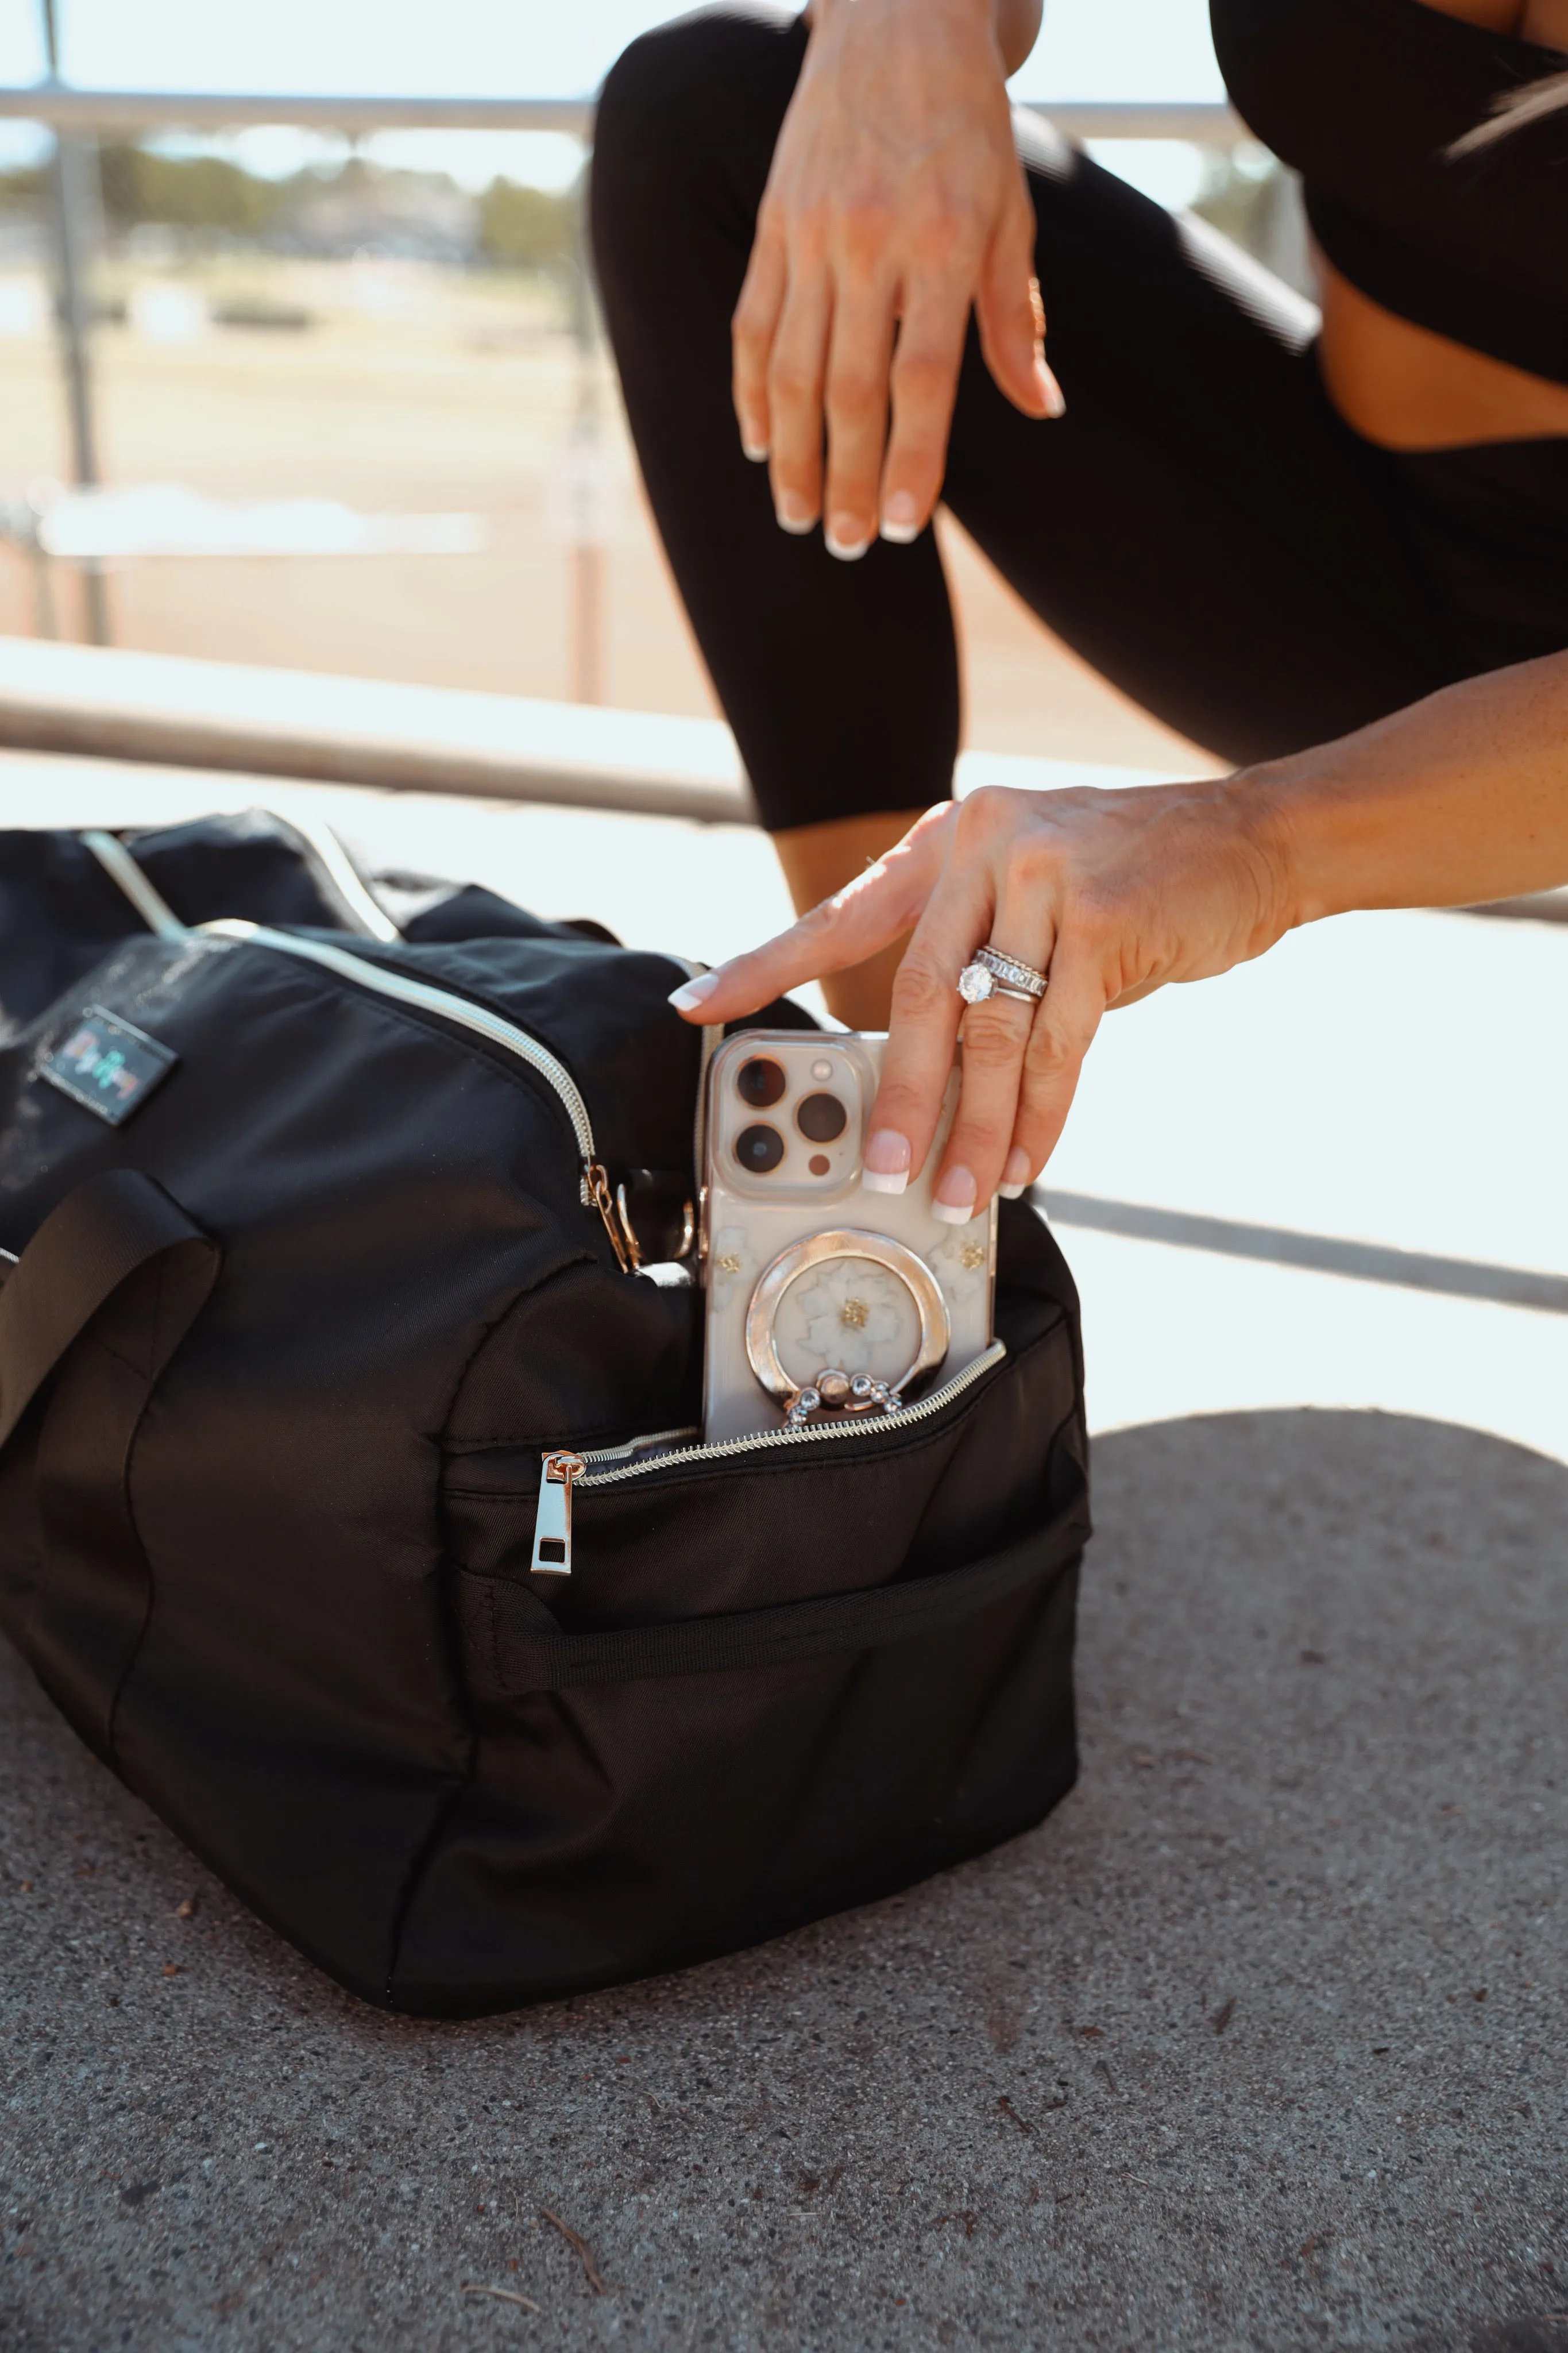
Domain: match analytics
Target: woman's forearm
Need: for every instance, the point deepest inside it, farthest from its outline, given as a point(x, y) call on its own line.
point(1017, 30)
point(1017, 24)
point(1463, 798)
point(1458, 799)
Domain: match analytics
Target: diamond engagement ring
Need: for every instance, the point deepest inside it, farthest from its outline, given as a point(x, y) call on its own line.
point(992, 974)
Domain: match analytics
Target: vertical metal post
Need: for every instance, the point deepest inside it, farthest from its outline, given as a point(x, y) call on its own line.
point(588, 554)
point(68, 178)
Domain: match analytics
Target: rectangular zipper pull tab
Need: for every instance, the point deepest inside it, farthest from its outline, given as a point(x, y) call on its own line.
point(552, 1522)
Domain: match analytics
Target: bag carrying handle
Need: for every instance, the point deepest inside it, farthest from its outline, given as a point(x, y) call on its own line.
point(102, 1296)
point(503, 1620)
point(334, 871)
point(89, 1243)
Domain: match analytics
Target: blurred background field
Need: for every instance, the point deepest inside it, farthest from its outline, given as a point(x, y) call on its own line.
point(284, 316)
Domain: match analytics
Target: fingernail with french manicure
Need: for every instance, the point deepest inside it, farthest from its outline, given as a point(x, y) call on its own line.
point(795, 514)
point(693, 993)
point(1050, 390)
point(845, 536)
point(954, 1202)
point(757, 451)
point(900, 519)
point(886, 1168)
point(1015, 1176)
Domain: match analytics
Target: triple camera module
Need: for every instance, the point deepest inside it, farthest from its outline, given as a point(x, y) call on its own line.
point(820, 1117)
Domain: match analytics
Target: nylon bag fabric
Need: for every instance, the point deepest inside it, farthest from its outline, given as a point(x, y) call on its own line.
point(279, 1360)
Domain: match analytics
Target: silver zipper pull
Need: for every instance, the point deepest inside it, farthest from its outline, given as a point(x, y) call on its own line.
point(552, 1522)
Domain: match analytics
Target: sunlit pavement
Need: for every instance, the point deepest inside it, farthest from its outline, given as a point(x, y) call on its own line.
point(1253, 2047)
point(1391, 1079)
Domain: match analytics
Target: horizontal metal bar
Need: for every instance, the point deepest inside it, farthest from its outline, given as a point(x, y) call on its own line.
point(148, 110)
point(173, 711)
point(1458, 1278)
point(183, 713)
point(1203, 125)
point(139, 110)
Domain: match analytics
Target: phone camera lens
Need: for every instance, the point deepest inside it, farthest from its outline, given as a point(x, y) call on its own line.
point(760, 1083)
point(821, 1118)
point(760, 1148)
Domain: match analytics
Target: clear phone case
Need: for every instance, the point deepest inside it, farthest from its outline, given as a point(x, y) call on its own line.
point(808, 1271)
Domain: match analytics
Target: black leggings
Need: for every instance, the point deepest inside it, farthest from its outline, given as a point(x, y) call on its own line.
point(1201, 526)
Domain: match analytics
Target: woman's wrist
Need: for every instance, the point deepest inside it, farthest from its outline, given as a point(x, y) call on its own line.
point(1013, 24)
point(1276, 811)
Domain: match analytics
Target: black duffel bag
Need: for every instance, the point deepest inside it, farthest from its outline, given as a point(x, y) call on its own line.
point(322, 1242)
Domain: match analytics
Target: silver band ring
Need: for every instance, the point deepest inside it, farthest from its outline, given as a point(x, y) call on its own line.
point(989, 974)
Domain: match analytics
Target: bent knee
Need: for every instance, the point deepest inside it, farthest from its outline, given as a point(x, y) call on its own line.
point(687, 123)
point(678, 90)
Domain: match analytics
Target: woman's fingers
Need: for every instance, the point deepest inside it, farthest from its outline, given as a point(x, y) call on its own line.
point(997, 1033)
point(796, 368)
point(924, 387)
point(857, 409)
point(1011, 317)
point(1062, 1035)
point(879, 906)
point(752, 332)
point(927, 1008)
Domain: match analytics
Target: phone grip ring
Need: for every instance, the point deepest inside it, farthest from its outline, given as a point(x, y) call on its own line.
point(819, 1249)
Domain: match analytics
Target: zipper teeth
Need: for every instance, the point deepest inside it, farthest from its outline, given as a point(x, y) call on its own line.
point(813, 1433)
point(395, 985)
point(654, 1438)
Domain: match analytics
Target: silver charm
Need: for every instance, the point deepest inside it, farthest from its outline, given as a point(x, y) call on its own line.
point(834, 1391)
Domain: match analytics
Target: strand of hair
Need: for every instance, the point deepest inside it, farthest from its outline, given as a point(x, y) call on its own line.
point(1512, 112)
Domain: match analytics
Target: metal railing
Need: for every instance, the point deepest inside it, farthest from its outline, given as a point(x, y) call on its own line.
point(87, 111)
point(78, 116)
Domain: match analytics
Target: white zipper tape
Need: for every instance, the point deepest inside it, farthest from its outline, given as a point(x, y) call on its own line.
point(593, 1184)
point(364, 974)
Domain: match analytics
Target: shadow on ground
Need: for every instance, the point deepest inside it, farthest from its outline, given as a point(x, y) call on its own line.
point(1258, 2043)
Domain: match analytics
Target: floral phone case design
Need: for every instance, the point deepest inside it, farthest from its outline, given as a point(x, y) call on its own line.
point(823, 1297)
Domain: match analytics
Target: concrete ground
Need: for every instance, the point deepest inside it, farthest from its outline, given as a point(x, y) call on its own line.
point(1257, 2044)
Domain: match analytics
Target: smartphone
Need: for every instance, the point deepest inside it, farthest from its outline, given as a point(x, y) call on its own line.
point(816, 1283)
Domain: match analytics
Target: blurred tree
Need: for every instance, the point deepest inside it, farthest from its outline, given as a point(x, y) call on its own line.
point(23, 188)
point(526, 229)
point(192, 192)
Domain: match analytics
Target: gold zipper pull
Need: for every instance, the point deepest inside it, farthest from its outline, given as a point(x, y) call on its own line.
point(597, 1187)
point(552, 1521)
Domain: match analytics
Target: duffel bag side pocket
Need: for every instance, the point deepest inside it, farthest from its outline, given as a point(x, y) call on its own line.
point(517, 1649)
point(652, 1796)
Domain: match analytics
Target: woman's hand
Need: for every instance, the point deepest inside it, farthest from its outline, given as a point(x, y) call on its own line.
point(1113, 892)
point(896, 200)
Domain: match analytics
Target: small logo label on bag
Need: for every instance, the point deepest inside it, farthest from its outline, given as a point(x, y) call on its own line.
point(107, 1066)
